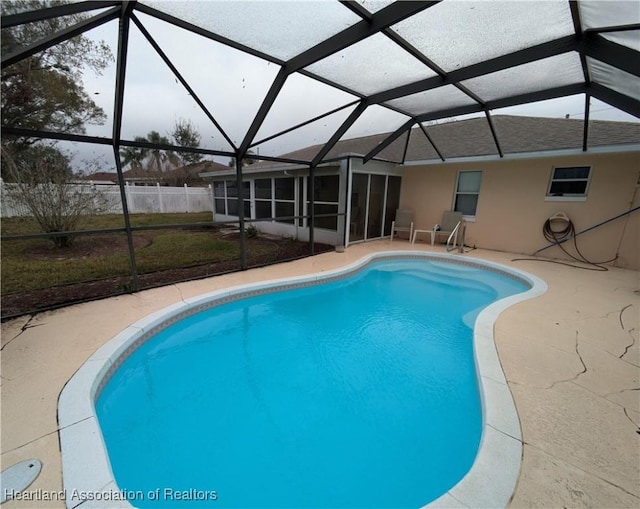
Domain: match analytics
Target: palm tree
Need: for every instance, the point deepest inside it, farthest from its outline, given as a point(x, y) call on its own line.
point(150, 162)
point(159, 159)
point(134, 156)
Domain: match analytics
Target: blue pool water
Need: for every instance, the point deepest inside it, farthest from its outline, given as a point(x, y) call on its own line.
point(355, 393)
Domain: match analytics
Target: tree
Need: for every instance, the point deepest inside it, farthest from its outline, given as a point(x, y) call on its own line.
point(42, 184)
point(160, 160)
point(185, 134)
point(54, 162)
point(45, 91)
point(134, 156)
point(246, 160)
point(165, 165)
point(153, 161)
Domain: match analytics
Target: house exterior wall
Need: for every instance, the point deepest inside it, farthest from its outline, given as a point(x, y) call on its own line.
point(512, 208)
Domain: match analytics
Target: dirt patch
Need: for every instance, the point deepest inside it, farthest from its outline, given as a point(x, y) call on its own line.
point(85, 247)
point(32, 301)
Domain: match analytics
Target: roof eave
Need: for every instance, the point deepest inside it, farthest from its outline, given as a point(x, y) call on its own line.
point(249, 171)
point(604, 149)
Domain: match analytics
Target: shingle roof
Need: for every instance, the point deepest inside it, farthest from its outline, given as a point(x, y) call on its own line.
point(192, 170)
point(472, 138)
point(203, 166)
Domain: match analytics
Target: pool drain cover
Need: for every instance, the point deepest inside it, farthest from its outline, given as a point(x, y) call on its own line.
point(18, 477)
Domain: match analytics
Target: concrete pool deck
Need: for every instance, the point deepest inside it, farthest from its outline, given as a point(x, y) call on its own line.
point(571, 358)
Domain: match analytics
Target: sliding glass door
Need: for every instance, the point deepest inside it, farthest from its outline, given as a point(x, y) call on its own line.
point(359, 192)
point(376, 206)
point(393, 202)
point(374, 200)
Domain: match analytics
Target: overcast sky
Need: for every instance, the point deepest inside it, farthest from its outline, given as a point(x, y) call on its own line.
point(232, 85)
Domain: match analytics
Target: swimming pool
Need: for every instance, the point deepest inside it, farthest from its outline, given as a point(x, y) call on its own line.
point(315, 395)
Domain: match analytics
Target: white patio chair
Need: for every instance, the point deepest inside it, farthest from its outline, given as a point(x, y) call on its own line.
point(402, 223)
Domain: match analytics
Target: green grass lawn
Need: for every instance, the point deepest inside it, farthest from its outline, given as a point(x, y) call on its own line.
point(180, 249)
point(24, 225)
point(22, 268)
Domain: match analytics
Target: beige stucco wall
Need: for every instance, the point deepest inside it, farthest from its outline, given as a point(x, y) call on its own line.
point(512, 208)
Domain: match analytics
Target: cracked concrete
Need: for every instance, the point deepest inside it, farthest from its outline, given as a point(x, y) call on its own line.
point(179, 292)
point(23, 328)
point(634, 421)
point(581, 372)
point(622, 311)
point(629, 346)
point(570, 358)
point(581, 431)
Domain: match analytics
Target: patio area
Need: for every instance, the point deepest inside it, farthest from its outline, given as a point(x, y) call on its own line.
point(571, 358)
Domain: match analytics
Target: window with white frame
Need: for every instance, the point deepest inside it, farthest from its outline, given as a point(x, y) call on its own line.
point(285, 199)
point(220, 197)
point(232, 197)
point(246, 195)
point(325, 198)
point(263, 192)
point(467, 192)
point(277, 198)
point(226, 197)
point(569, 181)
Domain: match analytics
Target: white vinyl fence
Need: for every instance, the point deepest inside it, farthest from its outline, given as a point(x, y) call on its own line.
point(140, 199)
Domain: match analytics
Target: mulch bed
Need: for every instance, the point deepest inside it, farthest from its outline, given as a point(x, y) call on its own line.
point(31, 301)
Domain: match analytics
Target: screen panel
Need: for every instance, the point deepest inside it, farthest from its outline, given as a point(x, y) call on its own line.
point(359, 68)
point(456, 34)
point(281, 29)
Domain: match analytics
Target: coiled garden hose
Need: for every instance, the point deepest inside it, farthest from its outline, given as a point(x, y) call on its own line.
point(557, 235)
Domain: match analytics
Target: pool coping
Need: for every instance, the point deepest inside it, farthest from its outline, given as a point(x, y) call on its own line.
point(87, 476)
